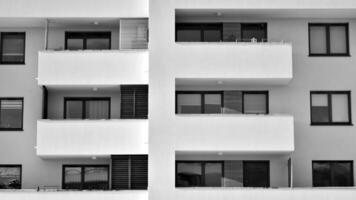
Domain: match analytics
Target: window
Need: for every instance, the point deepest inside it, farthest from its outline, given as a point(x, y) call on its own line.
point(195, 32)
point(87, 108)
point(129, 172)
point(257, 31)
point(256, 173)
point(12, 48)
point(330, 107)
point(133, 34)
point(11, 114)
point(246, 102)
point(87, 40)
point(134, 101)
point(332, 173)
point(328, 39)
point(199, 173)
point(85, 177)
point(10, 176)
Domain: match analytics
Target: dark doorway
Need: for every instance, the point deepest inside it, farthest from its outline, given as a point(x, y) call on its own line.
point(256, 173)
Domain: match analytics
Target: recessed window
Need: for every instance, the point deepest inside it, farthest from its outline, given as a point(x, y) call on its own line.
point(87, 108)
point(10, 176)
point(332, 173)
point(87, 40)
point(209, 102)
point(11, 114)
point(12, 48)
point(85, 177)
point(328, 39)
point(199, 174)
point(330, 108)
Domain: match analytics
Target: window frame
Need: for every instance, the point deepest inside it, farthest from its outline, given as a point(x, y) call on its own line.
point(201, 27)
point(221, 92)
point(330, 162)
point(329, 98)
point(84, 100)
point(2, 34)
point(14, 166)
point(203, 163)
point(82, 174)
point(84, 35)
point(327, 29)
point(22, 113)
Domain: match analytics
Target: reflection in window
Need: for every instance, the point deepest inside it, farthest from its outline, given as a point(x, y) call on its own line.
point(10, 177)
point(72, 178)
point(332, 173)
point(12, 48)
point(96, 178)
point(189, 103)
point(87, 40)
point(86, 177)
point(11, 113)
point(87, 108)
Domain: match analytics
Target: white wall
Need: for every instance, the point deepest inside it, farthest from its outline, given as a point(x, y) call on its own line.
point(93, 68)
point(87, 138)
point(79, 8)
point(267, 63)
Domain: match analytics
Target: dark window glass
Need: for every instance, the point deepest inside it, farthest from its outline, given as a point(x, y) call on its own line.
point(332, 173)
point(87, 108)
point(12, 48)
point(134, 101)
point(254, 31)
point(255, 102)
point(328, 39)
point(87, 40)
point(256, 173)
point(78, 177)
point(11, 111)
point(330, 107)
point(10, 177)
point(195, 32)
point(199, 174)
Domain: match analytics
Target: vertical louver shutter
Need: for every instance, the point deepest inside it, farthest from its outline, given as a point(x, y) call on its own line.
point(139, 171)
point(120, 173)
point(134, 101)
point(133, 34)
point(129, 172)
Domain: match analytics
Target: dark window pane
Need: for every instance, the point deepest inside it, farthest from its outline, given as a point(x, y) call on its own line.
point(74, 109)
point(72, 178)
point(13, 48)
point(189, 174)
point(189, 103)
point(320, 108)
point(98, 43)
point(317, 39)
point(212, 103)
point(321, 174)
point(75, 44)
point(188, 36)
point(255, 103)
point(11, 114)
point(96, 178)
point(338, 40)
point(213, 174)
point(250, 31)
point(97, 109)
point(10, 177)
point(212, 35)
point(256, 174)
point(342, 174)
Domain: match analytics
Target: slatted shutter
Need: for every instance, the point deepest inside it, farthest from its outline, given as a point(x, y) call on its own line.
point(129, 172)
point(134, 101)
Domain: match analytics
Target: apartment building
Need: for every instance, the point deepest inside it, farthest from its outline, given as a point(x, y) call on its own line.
point(177, 99)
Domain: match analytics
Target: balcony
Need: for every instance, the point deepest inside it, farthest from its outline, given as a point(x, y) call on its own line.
point(237, 63)
point(74, 195)
point(87, 138)
point(234, 132)
point(111, 67)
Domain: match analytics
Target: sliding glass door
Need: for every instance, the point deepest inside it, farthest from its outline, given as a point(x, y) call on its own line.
point(87, 108)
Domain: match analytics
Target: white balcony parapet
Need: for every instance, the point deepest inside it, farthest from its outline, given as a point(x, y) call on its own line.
point(242, 62)
point(87, 138)
point(235, 133)
point(73, 195)
point(92, 67)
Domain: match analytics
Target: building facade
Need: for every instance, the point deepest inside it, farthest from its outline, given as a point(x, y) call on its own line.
point(177, 99)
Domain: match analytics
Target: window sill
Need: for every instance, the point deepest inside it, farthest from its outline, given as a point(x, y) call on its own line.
point(331, 124)
point(329, 55)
